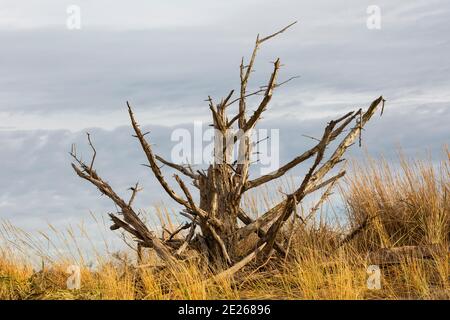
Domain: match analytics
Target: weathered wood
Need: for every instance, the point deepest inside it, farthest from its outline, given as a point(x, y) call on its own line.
point(398, 255)
point(239, 265)
point(223, 184)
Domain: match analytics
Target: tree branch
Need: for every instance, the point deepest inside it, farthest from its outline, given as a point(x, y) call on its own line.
point(152, 161)
point(267, 97)
point(178, 167)
point(132, 223)
point(303, 157)
point(244, 75)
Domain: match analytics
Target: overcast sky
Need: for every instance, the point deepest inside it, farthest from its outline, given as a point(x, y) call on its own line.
point(166, 58)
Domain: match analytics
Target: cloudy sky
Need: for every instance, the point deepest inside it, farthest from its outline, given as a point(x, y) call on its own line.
point(166, 58)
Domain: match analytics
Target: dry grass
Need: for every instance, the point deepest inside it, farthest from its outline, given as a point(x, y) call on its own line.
point(406, 206)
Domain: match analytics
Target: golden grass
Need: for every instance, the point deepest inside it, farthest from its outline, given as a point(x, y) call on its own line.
point(406, 206)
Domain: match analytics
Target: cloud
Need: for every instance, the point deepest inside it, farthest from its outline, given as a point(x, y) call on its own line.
point(59, 79)
point(38, 182)
point(166, 58)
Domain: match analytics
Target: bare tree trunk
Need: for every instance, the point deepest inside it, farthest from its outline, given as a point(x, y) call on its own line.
point(217, 198)
point(222, 186)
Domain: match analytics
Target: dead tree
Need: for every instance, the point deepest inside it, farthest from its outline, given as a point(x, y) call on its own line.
point(217, 224)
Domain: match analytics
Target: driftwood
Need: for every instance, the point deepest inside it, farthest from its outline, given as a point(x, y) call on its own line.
point(214, 229)
point(398, 255)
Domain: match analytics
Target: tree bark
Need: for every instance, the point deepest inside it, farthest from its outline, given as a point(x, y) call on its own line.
point(222, 186)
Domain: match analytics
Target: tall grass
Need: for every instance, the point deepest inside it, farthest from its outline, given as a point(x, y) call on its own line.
point(404, 204)
point(409, 205)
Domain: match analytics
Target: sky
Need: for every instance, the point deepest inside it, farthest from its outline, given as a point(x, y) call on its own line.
point(165, 58)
